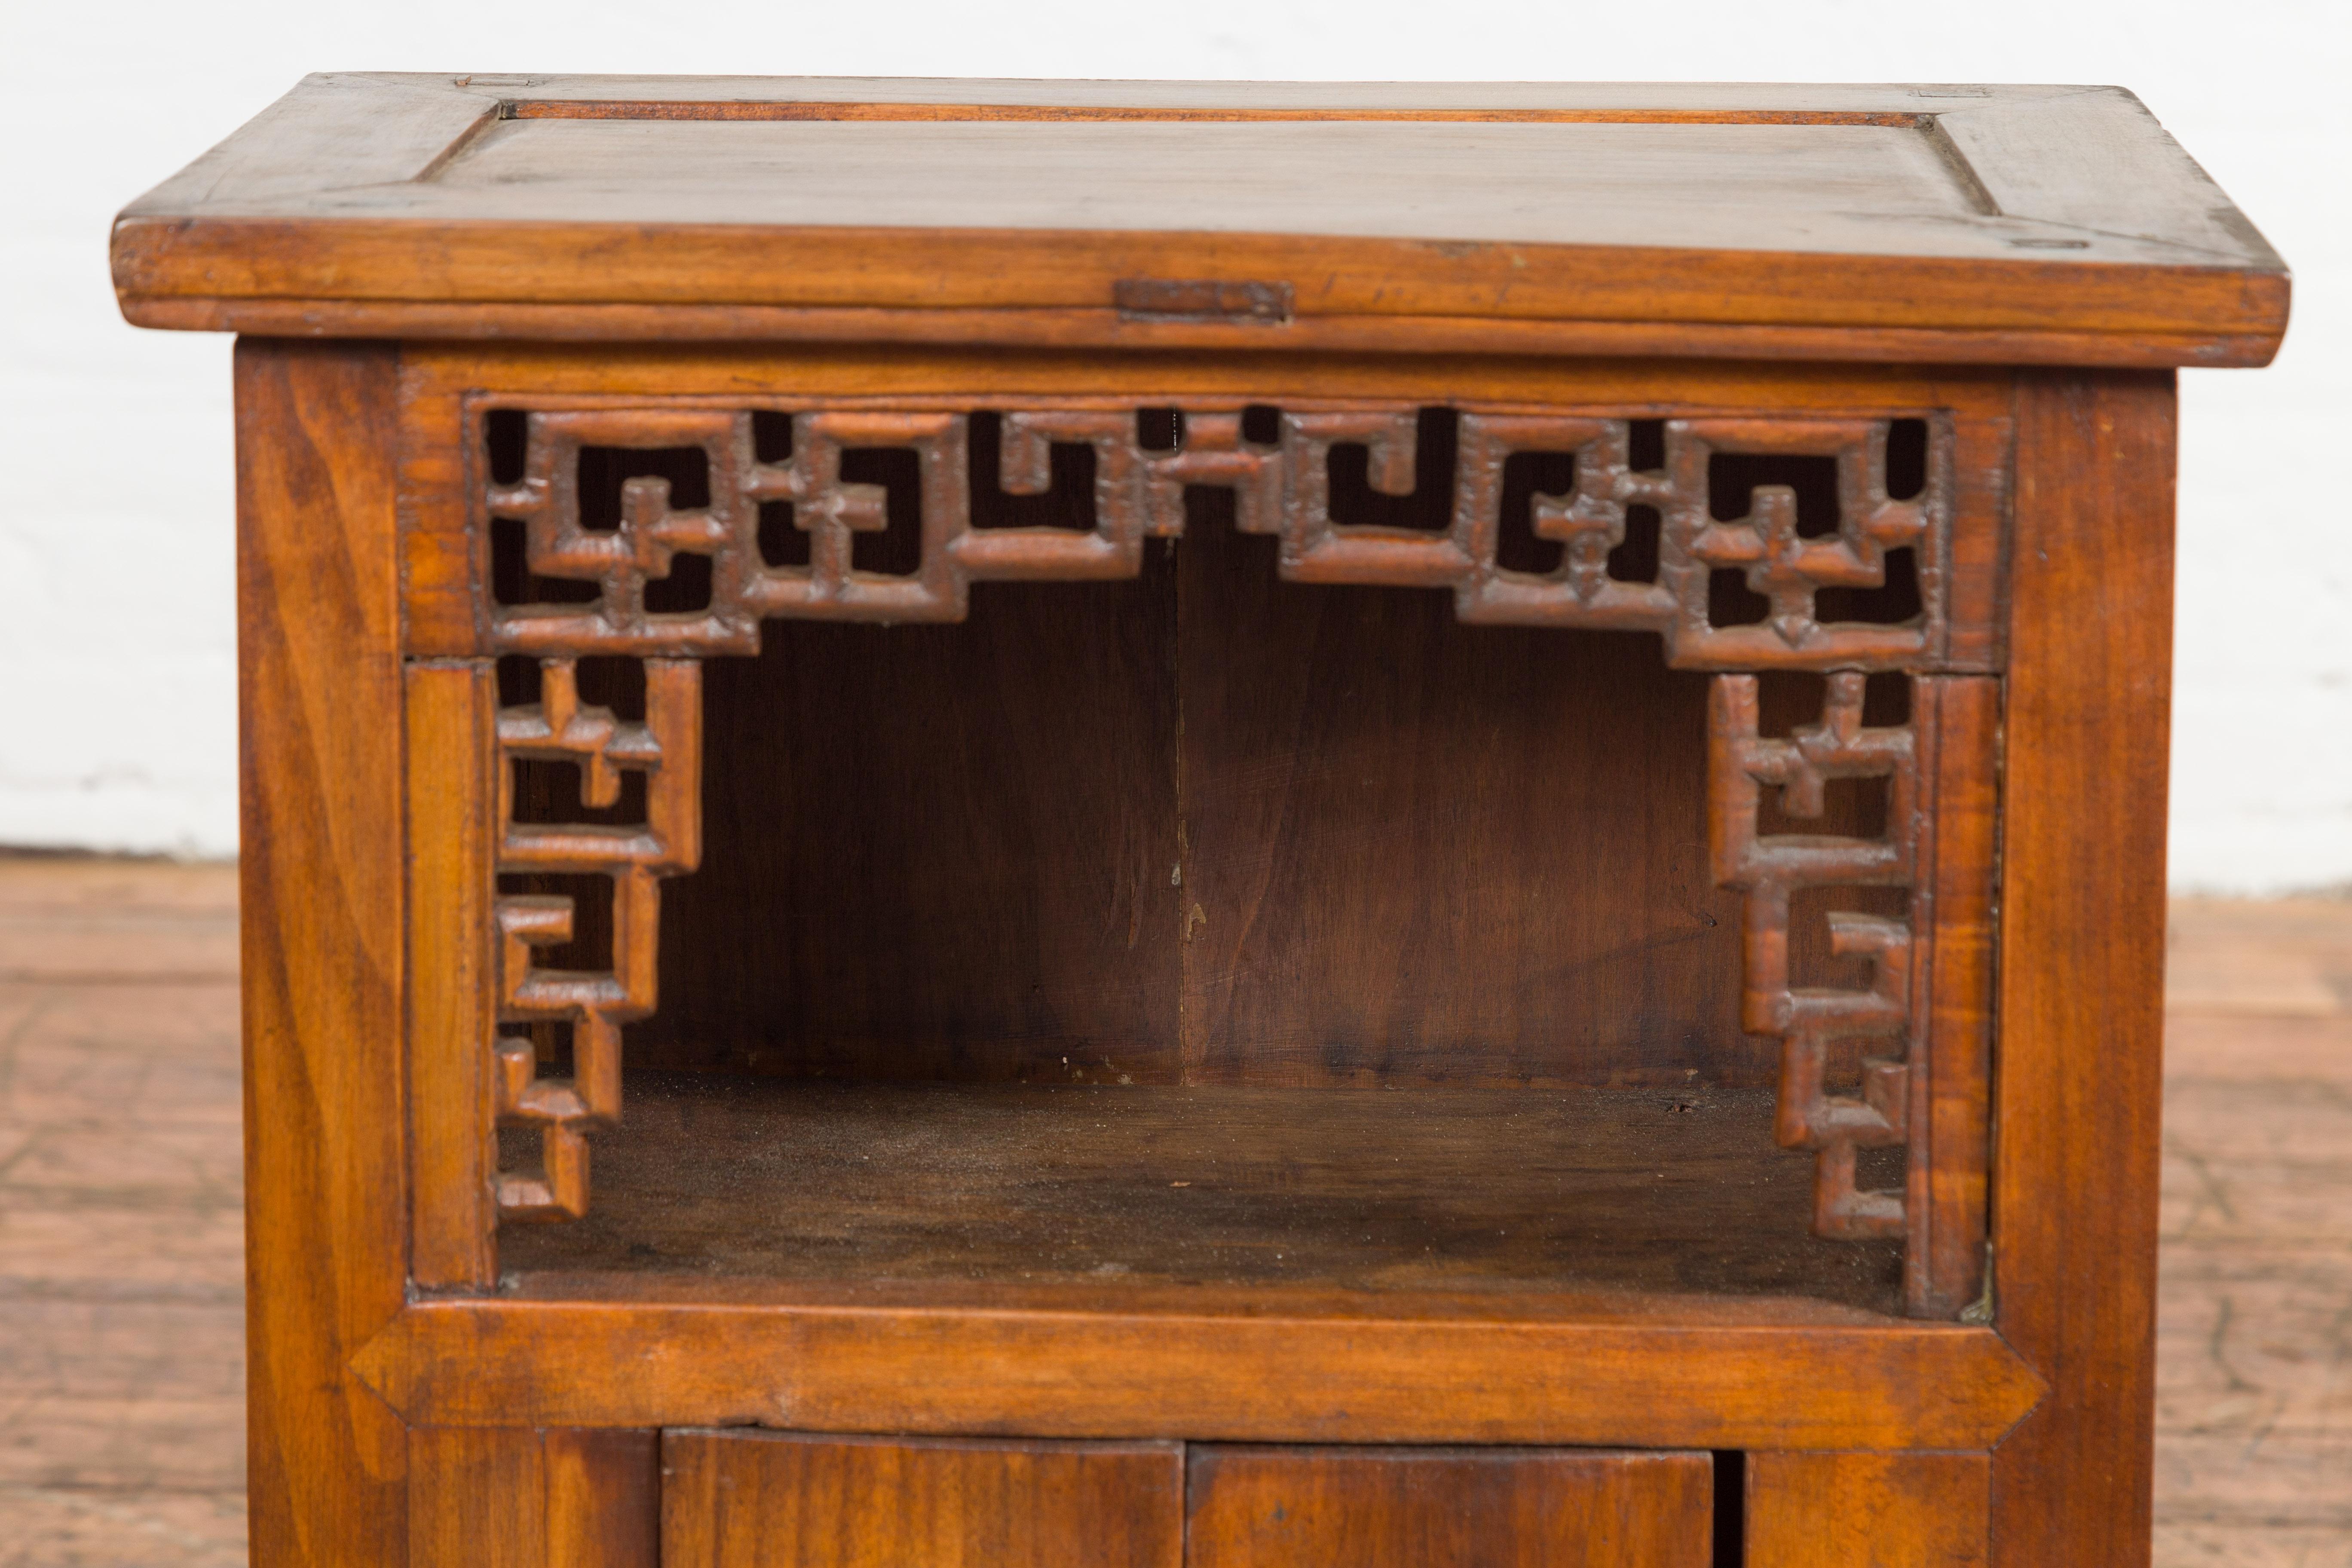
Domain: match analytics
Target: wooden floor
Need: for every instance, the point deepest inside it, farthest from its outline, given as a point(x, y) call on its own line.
point(2254, 1322)
point(121, 1351)
point(121, 1230)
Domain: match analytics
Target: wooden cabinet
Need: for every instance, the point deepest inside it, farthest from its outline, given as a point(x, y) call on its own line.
point(1268, 825)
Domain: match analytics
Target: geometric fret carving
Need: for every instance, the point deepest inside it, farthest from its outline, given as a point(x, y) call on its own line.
point(1764, 546)
point(667, 749)
point(1785, 568)
point(1768, 868)
point(1282, 487)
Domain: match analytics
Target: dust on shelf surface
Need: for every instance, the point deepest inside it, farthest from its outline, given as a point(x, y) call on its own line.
point(1451, 1189)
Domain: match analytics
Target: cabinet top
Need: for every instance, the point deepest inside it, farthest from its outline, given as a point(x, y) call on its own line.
point(2024, 225)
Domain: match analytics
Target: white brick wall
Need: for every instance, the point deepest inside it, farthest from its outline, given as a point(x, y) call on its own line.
point(116, 602)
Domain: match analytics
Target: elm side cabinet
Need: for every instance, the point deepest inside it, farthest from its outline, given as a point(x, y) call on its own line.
point(1059, 824)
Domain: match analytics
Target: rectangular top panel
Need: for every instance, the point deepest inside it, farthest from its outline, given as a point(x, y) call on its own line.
point(1581, 183)
point(2033, 225)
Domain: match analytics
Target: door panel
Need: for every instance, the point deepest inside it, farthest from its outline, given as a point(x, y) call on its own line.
point(1253, 1507)
point(764, 1499)
point(519, 1497)
point(1868, 1510)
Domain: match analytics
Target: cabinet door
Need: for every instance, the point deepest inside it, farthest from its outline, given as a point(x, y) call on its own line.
point(1447, 1507)
point(1869, 1510)
point(764, 1499)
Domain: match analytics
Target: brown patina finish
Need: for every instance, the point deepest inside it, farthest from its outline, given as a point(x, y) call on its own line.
point(1463, 967)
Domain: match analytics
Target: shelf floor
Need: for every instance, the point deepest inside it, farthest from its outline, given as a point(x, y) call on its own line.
point(1447, 1189)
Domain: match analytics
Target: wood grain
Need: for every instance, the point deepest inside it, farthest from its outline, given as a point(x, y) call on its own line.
point(1951, 1100)
point(445, 556)
point(438, 375)
point(1889, 209)
point(133, 965)
point(1385, 907)
point(2176, 198)
point(2082, 941)
point(1676, 182)
point(1107, 327)
point(603, 1497)
point(493, 262)
point(1976, 578)
point(2019, 152)
point(1383, 813)
point(477, 1497)
point(2010, 227)
point(1674, 1190)
point(1438, 1507)
point(451, 796)
point(1867, 1510)
point(518, 1497)
point(938, 851)
point(319, 697)
point(1255, 1364)
point(951, 933)
point(741, 1500)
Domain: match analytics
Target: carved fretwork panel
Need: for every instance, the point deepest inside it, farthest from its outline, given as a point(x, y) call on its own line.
point(666, 747)
point(1787, 562)
point(1772, 544)
point(1768, 868)
point(1766, 545)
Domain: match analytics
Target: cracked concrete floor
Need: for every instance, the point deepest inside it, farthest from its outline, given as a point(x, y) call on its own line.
point(121, 1359)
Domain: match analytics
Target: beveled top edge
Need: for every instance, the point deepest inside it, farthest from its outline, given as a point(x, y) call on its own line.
point(1171, 92)
point(2074, 188)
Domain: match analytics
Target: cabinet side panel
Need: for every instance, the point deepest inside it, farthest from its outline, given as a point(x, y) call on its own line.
point(2078, 1077)
point(1867, 1510)
point(1446, 1507)
point(735, 1499)
point(451, 792)
point(321, 762)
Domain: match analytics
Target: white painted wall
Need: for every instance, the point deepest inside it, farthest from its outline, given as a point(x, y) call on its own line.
point(117, 616)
